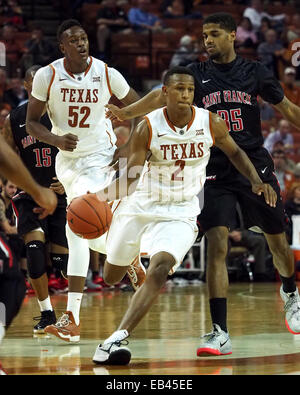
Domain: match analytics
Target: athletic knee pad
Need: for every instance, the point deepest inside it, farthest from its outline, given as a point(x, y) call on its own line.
point(36, 260)
point(60, 263)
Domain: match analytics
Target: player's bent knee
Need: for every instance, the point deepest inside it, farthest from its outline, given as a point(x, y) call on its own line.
point(36, 262)
point(160, 266)
point(113, 274)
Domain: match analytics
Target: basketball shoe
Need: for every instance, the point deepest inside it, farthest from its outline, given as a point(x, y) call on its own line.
point(65, 328)
point(215, 343)
point(292, 310)
point(136, 273)
point(112, 353)
point(46, 318)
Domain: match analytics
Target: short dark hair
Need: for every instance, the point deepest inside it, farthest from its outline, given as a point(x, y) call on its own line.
point(65, 25)
point(225, 20)
point(32, 70)
point(177, 70)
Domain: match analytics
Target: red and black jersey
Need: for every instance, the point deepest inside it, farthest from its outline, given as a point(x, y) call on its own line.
point(231, 90)
point(38, 157)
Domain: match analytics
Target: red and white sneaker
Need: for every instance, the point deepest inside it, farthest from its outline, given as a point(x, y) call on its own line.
point(65, 328)
point(136, 273)
point(2, 371)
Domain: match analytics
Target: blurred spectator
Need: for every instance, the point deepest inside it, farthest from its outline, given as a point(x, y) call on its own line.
point(110, 19)
point(255, 13)
point(291, 90)
point(267, 112)
point(13, 12)
point(264, 27)
point(270, 51)
point(13, 49)
point(293, 30)
point(285, 178)
point(122, 133)
point(245, 35)
point(187, 52)
point(290, 164)
point(7, 218)
point(38, 50)
point(16, 94)
point(3, 83)
point(177, 9)
point(282, 134)
point(292, 206)
point(256, 245)
point(187, 4)
point(3, 114)
point(142, 20)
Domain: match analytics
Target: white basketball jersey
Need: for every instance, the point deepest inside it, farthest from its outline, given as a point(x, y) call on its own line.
point(76, 103)
point(176, 170)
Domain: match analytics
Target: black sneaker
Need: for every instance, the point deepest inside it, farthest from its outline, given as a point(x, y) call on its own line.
point(46, 318)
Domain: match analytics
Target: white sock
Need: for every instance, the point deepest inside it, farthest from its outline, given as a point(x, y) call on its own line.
point(117, 336)
point(2, 332)
point(74, 303)
point(45, 304)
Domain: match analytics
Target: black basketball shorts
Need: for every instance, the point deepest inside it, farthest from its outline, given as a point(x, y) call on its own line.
point(54, 226)
point(221, 198)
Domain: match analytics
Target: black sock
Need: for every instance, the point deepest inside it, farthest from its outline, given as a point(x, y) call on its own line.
point(289, 284)
point(218, 311)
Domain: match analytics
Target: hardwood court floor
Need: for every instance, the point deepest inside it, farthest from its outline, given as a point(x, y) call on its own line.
point(165, 342)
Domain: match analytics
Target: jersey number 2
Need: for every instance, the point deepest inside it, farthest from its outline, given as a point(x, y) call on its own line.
point(74, 112)
point(181, 164)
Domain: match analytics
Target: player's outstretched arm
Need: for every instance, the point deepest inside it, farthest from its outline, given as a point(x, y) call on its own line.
point(137, 153)
point(14, 170)
point(240, 160)
point(290, 111)
point(6, 133)
point(67, 142)
point(146, 104)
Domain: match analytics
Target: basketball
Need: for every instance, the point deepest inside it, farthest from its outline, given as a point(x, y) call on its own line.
point(88, 217)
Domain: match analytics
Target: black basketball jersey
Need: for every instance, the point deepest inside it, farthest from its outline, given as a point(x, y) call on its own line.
point(231, 91)
point(38, 157)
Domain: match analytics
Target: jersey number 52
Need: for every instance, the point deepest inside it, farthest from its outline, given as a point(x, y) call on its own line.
point(76, 112)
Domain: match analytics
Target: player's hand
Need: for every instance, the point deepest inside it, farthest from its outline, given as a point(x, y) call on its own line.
point(47, 201)
point(113, 112)
point(67, 142)
point(269, 193)
point(57, 187)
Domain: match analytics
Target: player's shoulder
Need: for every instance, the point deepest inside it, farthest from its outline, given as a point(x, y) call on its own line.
point(199, 67)
point(19, 112)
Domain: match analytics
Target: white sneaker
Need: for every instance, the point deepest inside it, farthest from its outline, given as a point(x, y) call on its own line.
point(216, 343)
point(112, 353)
point(292, 310)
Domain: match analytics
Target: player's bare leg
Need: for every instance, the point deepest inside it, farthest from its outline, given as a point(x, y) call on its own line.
point(35, 246)
point(217, 342)
point(113, 274)
point(283, 260)
point(112, 351)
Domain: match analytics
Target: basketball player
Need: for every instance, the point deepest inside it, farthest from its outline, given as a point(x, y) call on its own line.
point(229, 85)
point(39, 158)
point(75, 90)
point(12, 286)
point(160, 216)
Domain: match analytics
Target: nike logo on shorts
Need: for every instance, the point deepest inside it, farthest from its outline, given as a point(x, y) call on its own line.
point(263, 171)
point(22, 126)
point(205, 81)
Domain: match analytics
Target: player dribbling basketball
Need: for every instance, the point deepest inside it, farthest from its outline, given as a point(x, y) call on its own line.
point(159, 217)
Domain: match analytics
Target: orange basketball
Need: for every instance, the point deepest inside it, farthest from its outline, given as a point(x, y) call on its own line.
point(88, 217)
